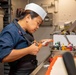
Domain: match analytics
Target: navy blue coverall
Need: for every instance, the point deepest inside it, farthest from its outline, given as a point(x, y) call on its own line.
point(11, 38)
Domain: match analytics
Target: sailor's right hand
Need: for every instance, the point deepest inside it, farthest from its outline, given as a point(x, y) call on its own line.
point(33, 49)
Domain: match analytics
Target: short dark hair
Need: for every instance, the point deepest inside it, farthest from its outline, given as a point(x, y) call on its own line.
point(21, 13)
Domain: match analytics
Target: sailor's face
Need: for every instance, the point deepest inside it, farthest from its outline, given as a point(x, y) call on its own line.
point(33, 24)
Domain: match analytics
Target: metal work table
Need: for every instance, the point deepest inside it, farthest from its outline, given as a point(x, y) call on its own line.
point(41, 70)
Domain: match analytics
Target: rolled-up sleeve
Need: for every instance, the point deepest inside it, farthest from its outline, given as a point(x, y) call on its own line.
point(6, 44)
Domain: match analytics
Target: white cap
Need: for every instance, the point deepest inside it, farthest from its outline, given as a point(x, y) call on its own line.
point(36, 8)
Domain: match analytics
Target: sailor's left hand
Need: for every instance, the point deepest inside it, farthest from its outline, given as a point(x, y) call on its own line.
point(45, 42)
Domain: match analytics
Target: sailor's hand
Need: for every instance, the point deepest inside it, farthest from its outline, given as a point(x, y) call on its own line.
point(45, 42)
point(33, 49)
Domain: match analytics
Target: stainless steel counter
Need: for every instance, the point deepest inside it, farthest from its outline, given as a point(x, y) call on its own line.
point(41, 70)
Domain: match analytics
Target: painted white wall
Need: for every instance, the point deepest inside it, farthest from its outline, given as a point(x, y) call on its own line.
point(67, 10)
point(17, 4)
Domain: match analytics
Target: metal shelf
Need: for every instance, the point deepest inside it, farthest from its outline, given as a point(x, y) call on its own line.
point(6, 6)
